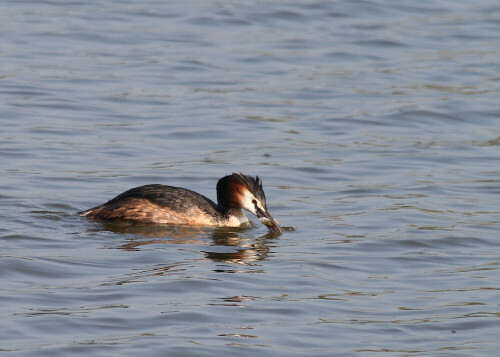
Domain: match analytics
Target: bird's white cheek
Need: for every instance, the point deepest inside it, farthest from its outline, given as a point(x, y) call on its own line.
point(247, 203)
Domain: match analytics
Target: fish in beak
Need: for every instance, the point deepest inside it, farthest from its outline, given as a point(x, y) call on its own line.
point(266, 219)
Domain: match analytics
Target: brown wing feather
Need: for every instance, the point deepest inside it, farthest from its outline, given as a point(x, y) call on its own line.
point(157, 204)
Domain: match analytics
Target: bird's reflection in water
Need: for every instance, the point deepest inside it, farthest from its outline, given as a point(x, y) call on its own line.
point(250, 250)
point(238, 245)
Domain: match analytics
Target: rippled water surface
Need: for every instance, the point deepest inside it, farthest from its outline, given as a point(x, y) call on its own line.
point(375, 128)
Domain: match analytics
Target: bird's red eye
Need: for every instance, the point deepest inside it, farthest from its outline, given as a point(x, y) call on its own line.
point(254, 202)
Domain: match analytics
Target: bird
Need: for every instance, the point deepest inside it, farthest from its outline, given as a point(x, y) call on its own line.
point(162, 204)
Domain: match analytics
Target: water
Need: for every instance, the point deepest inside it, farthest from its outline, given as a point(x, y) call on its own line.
point(374, 125)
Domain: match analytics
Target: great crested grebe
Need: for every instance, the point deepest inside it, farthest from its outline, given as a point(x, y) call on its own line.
point(176, 205)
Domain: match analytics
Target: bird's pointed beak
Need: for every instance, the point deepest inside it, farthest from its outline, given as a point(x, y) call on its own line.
point(266, 219)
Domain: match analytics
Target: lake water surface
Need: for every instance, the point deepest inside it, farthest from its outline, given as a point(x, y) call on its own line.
point(373, 124)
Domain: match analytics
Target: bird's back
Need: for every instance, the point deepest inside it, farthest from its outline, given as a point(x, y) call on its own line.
point(158, 204)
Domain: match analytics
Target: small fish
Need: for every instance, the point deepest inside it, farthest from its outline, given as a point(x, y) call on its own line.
point(272, 224)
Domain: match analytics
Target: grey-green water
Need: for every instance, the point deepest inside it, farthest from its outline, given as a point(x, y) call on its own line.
point(374, 125)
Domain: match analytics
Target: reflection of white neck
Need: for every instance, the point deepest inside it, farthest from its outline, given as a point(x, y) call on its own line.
point(234, 218)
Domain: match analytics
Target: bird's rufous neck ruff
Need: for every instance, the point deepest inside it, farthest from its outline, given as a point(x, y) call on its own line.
point(230, 192)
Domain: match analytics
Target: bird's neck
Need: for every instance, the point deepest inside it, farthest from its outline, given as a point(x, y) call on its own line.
point(232, 216)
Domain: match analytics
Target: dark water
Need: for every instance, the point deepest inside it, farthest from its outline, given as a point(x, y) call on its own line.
point(374, 125)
